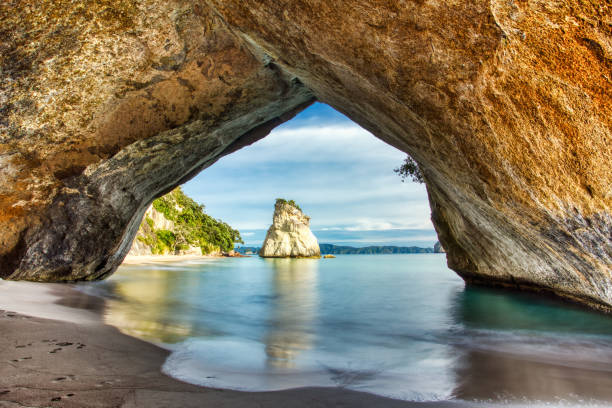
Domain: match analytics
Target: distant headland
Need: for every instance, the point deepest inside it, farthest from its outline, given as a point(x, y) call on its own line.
point(349, 250)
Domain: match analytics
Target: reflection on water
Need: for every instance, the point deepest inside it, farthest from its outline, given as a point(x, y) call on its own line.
point(292, 317)
point(397, 325)
point(143, 308)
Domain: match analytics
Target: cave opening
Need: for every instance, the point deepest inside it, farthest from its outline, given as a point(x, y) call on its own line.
point(404, 326)
point(339, 173)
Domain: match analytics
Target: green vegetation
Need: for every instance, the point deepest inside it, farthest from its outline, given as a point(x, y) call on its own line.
point(411, 169)
point(149, 221)
point(290, 202)
point(192, 227)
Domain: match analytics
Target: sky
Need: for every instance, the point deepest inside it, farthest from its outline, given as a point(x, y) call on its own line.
point(339, 174)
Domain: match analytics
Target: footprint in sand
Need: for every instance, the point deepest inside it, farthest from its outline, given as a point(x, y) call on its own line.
point(55, 399)
point(21, 359)
point(68, 377)
point(103, 383)
point(61, 344)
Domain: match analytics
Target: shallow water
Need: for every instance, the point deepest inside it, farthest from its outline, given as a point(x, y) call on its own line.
point(403, 326)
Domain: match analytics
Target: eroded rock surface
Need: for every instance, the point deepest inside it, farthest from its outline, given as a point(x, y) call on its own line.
point(106, 106)
point(289, 236)
point(505, 105)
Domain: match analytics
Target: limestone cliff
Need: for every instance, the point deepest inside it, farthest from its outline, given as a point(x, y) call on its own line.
point(504, 105)
point(289, 235)
point(147, 241)
point(177, 225)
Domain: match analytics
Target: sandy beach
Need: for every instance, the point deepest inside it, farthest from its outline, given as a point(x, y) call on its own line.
point(56, 351)
point(148, 259)
point(63, 363)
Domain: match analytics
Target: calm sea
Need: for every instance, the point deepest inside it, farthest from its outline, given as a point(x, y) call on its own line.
point(403, 326)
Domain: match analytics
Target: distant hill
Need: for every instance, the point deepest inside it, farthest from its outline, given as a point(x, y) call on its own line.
point(245, 250)
point(346, 250)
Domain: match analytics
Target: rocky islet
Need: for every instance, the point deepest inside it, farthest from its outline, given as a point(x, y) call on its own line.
point(289, 236)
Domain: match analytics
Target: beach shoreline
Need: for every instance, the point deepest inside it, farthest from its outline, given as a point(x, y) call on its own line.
point(57, 351)
point(62, 363)
point(147, 259)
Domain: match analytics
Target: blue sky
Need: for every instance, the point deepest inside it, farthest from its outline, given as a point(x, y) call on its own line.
point(339, 174)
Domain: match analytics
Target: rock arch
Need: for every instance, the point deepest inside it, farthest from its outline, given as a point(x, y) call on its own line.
point(504, 105)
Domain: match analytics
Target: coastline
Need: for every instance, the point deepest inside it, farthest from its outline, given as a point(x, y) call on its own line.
point(146, 259)
point(62, 363)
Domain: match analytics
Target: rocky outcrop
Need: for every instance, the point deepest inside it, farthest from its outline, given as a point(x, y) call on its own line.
point(504, 105)
point(289, 236)
point(438, 249)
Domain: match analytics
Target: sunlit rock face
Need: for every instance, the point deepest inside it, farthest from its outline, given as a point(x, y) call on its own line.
point(289, 235)
point(505, 105)
point(104, 107)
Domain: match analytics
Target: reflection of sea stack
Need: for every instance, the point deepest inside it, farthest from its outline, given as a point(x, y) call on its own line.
point(289, 235)
point(293, 315)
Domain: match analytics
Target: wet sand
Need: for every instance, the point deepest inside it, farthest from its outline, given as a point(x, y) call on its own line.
point(147, 259)
point(55, 363)
point(61, 364)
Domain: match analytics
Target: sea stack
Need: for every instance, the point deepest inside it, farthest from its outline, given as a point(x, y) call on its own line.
point(289, 236)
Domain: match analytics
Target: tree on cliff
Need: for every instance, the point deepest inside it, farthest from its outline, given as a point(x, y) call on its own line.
point(411, 169)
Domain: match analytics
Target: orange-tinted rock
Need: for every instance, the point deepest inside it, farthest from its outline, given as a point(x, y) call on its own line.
point(505, 105)
point(107, 105)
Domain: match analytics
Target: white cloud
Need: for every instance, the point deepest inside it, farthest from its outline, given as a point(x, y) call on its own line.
point(377, 225)
point(330, 143)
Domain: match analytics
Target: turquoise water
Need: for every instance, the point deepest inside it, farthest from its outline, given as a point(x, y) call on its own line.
point(397, 325)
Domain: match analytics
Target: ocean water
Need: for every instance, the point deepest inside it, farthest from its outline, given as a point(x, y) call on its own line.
point(403, 326)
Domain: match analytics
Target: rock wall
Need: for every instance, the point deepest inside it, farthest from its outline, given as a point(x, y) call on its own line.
point(505, 106)
point(289, 236)
point(105, 106)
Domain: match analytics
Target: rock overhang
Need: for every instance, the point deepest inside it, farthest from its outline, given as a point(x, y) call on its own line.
point(505, 106)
